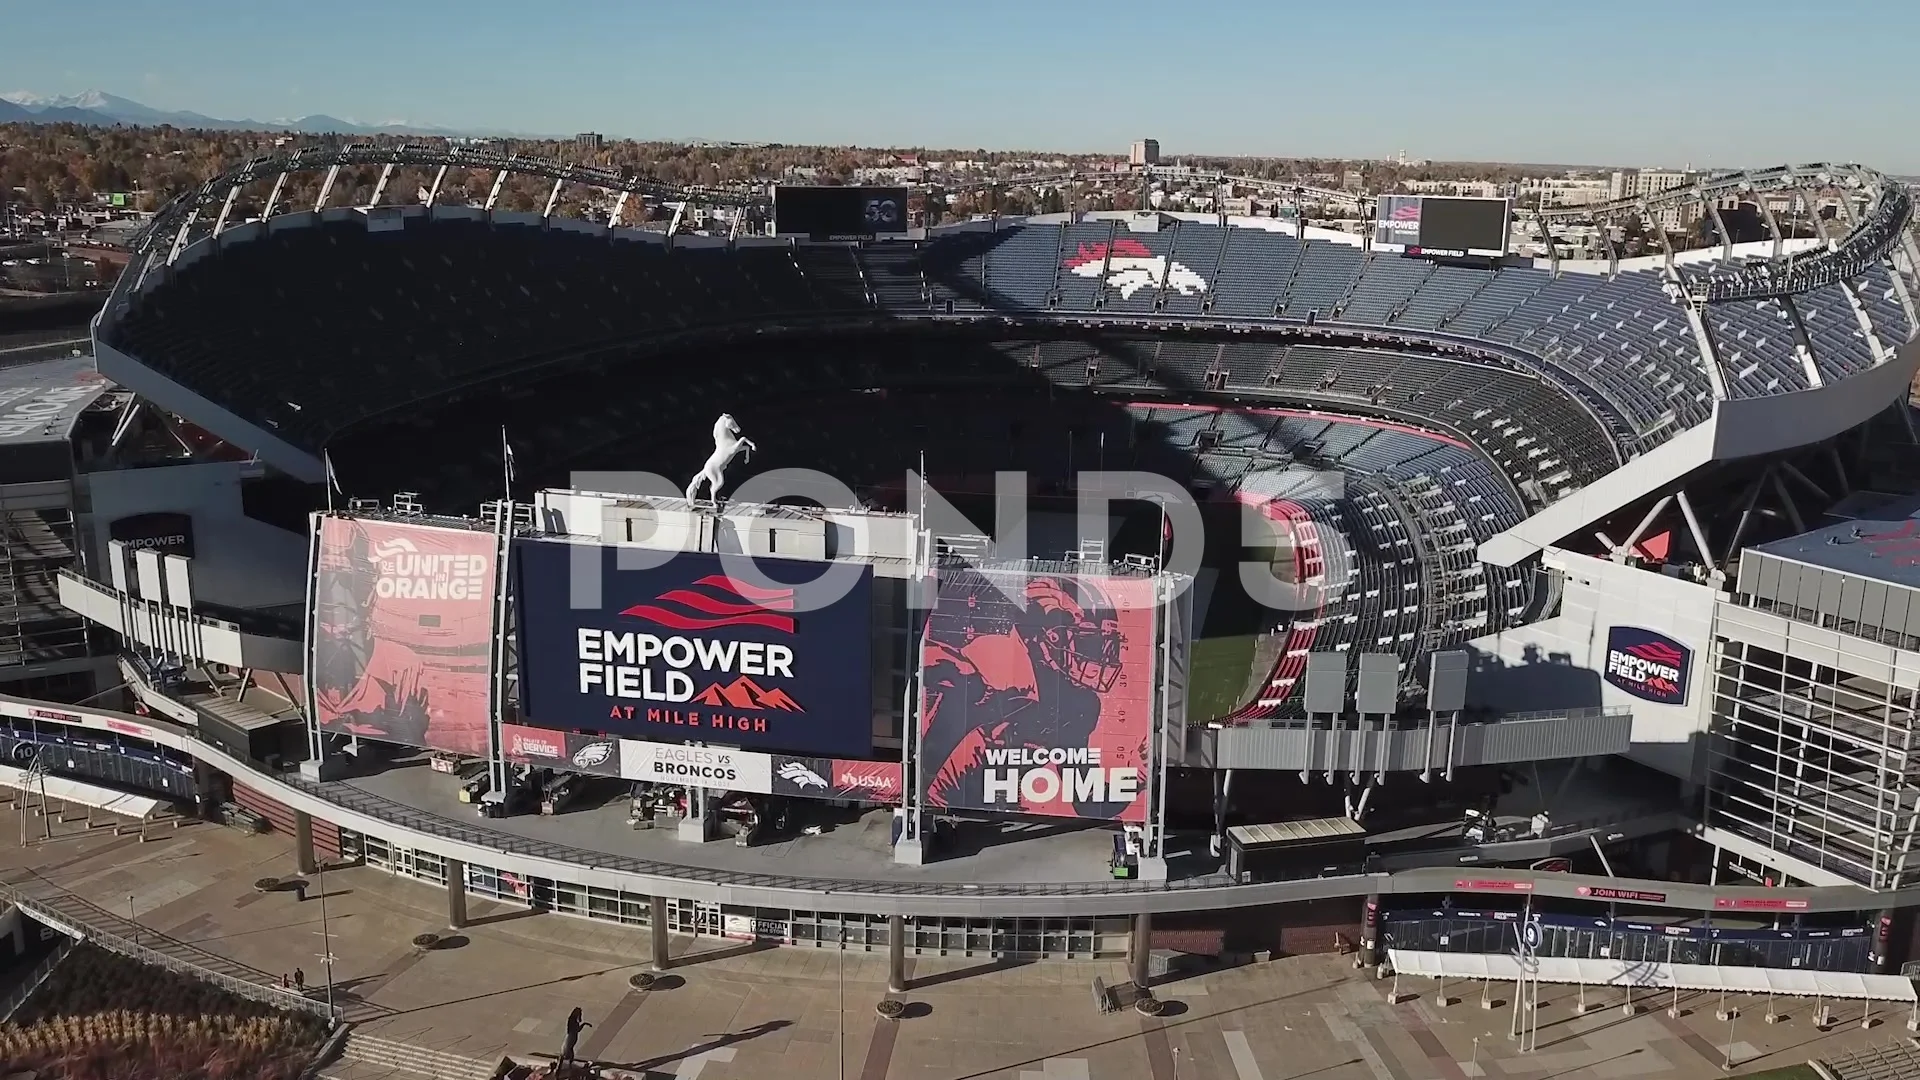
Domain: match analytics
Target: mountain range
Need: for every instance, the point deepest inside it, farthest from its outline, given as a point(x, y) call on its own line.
point(100, 108)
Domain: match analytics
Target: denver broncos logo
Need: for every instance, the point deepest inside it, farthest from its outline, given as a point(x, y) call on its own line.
point(1130, 266)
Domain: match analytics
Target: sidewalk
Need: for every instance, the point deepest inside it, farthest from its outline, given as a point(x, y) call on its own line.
point(732, 1011)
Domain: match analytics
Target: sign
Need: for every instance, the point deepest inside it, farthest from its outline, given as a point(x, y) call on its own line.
point(836, 778)
point(684, 652)
point(748, 928)
point(570, 752)
point(1530, 935)
point(696, 766)
point(165, 532)
point(1757, 904)
point(1468, 885)
point(403, 633)
point(1649, 665)
point(1637, 896)
point(754, 773)
point(1043, 707)
point(839, 211)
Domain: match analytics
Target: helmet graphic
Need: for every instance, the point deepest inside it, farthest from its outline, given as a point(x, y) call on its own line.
point(1072, 628)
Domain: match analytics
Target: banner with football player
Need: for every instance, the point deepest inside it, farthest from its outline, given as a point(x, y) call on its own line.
point(1037, 694)
point(403, 633)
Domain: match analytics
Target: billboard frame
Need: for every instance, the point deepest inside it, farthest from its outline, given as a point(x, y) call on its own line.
point(317, 766)
point(1168, 590)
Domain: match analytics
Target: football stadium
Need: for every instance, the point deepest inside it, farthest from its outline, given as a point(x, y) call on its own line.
point(1597, 572)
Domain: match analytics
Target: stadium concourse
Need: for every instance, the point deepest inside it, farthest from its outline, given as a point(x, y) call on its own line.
point(1531, 504)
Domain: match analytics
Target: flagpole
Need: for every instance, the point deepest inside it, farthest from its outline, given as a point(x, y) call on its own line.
point(506, 464)
point(332, 481)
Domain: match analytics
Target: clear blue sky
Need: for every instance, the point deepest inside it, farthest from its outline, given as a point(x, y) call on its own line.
point(1702, 82)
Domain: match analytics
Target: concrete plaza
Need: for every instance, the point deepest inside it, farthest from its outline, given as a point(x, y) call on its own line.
point(734, 1011)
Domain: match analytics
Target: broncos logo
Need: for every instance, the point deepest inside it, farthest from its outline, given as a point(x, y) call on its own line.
point(800, 776)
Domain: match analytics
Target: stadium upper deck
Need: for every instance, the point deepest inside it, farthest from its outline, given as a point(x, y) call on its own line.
point(319, 330)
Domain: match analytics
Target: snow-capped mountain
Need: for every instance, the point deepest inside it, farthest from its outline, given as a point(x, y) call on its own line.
point(100, 107)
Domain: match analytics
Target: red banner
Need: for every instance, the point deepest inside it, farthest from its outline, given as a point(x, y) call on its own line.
point(1494, 886)
point(403, 633)
point(1037, 694)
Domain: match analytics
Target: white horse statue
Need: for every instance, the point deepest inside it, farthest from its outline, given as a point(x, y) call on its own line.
point(727, 445)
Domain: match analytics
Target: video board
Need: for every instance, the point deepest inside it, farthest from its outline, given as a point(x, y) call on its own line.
point(839, 211)
point(1037, 694)
point(403, 633)
point(682, 652)
point(1433, 225)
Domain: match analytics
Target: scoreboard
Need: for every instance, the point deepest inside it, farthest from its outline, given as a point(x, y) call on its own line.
point(1429, 225)
point(839, 211)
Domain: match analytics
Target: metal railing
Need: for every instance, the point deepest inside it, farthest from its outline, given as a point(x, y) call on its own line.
point(27, 986)
point(57, 907)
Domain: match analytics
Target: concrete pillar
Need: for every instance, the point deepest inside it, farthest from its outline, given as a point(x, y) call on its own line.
point(1370, 932)
point(896, 954)
point(303, 842)
point(657, 923)
point(1139, 949)
point(456, 894)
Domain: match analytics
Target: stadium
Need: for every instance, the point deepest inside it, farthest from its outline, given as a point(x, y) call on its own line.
point(1607, 565)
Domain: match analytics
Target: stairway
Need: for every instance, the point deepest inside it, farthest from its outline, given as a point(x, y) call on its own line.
point(1899, 1061)
point(368, 1053)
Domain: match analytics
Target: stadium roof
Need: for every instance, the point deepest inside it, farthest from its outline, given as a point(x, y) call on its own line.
point(40, 402)
point(1871, 535)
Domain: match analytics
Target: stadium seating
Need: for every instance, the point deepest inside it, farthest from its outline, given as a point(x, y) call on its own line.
point(1125, 339)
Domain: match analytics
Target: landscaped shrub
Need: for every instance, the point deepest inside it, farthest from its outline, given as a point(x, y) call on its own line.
point(101, 1016)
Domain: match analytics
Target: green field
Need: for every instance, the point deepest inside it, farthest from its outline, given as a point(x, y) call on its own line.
point(1219, 676)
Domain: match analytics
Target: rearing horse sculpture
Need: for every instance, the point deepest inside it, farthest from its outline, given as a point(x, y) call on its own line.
point(727, 445)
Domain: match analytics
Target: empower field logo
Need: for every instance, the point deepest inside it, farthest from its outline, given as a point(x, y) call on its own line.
point(1649, 665)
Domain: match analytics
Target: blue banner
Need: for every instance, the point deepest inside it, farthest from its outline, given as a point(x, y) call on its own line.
point(683, 652)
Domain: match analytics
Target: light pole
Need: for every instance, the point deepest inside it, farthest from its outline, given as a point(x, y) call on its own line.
point(130, 920)
point(843, 1004)
point(1475, 1071)
point(326, 932)
point(1733, 1017)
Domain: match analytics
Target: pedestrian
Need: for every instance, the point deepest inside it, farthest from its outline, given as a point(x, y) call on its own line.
point(299, 892)
point(300, 980)
point(576, 1022)
point(286, 981)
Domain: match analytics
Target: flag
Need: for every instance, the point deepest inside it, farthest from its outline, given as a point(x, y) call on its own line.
point(506, 459)
point(333, 480)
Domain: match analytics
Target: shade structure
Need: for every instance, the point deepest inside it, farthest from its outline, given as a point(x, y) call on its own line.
point(138, 807)
point(1786, 982)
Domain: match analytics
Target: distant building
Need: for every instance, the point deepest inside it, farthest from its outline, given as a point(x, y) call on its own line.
point(590, 141)
point(1144, 152)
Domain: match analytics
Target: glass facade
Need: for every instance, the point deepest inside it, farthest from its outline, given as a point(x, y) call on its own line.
point(1815, 762)
point(1024, 939)
point(1817, 950)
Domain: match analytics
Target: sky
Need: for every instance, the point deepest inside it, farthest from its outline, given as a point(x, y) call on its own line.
point(1706, 83)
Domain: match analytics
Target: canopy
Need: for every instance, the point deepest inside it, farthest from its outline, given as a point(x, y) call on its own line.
point(1787, 982)
point(138, 807)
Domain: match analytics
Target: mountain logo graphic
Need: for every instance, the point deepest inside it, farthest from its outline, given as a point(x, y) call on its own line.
point(717, 601)
point(744, 693)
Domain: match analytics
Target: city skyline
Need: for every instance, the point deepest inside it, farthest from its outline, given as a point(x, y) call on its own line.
point(1458, 86)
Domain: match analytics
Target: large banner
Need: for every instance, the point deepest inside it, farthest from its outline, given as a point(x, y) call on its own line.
point(595, 755)
point(759, 774)
point(1043, 707)
point(683, 653)
point(403, 633)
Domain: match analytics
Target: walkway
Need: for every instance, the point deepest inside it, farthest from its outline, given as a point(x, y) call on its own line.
point(734, 1011)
